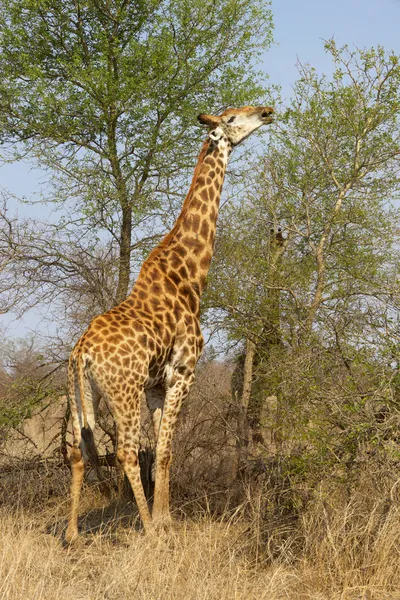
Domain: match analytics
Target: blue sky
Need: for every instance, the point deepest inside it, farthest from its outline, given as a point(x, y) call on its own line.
point(300, 28)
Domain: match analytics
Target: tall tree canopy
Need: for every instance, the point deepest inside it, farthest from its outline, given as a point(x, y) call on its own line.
point(330, 180)
point(105, 93)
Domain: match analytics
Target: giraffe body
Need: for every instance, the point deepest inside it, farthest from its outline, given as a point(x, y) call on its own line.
point(151, 342)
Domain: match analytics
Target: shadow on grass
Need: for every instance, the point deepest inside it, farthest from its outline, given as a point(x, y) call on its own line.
point(107, 521)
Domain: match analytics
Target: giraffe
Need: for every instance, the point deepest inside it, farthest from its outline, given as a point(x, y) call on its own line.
point(151, 342)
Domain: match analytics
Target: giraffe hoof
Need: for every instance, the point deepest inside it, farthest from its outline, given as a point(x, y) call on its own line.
point(71, 535)
point(163, 523)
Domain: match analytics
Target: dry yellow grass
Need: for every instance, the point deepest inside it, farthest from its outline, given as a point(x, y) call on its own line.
point(203, 560)
point(336, 551)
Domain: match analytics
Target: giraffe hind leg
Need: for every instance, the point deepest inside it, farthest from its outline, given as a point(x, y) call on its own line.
point(81, 451)
point(128, 454)
point(90, 453)
point(83, 448)
point(76, 456)
point(77, 471)
point(128, 457)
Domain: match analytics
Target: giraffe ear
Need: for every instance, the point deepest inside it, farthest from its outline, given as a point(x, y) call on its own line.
point(209, 120)
point(216, 134)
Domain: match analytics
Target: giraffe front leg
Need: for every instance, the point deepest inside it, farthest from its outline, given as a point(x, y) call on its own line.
point(176, 392)
point(155, 397)
point(155, 401)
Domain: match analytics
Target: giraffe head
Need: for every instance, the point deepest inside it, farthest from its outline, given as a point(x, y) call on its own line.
point(236, 124)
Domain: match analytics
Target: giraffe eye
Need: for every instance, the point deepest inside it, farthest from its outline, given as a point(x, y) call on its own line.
point(231, 120)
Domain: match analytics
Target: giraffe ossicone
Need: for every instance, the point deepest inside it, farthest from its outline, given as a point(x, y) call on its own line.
point(152, 341)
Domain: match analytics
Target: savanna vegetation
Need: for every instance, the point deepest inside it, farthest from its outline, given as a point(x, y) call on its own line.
point(286, 470)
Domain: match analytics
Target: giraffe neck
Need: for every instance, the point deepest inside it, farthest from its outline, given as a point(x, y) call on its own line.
point(188, 247)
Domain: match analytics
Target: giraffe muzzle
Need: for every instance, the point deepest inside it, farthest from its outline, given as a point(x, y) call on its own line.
point(266, 114)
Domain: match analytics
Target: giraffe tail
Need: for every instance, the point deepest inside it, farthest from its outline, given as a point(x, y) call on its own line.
point(90, 453)
point(87, 444)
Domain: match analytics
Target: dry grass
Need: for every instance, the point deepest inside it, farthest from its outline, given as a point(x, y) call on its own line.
point(336, 550)
point(203, 560)
point(352, 550)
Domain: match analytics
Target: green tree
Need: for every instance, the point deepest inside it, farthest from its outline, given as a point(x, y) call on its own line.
point(104, 94)
point(330, 180)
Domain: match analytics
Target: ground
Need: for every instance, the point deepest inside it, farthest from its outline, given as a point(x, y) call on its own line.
point(331, 554)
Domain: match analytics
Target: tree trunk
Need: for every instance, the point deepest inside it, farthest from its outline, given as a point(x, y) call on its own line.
point(242, 438)
point(271, 341)
point(124, 268)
